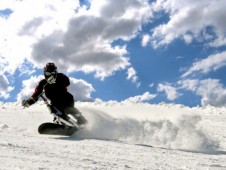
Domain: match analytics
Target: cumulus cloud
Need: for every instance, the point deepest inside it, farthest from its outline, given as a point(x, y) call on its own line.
point(20, 31)
point(190, 18)
point(74, 36)
point(5, 88)
point(141, 98)
point(28, 87)
point(86, 45)
point(211, 90)
point(171, 92)
point(211, 63)
point(145, 40)
point(80, 89)
point(77, 40)
point(132, 75)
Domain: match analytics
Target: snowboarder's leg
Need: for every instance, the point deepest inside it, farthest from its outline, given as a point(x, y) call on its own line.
point(76, 114)
point(60, 112)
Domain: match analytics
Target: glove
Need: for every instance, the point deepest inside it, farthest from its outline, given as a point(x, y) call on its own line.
point(51, 80)
point(27, 103)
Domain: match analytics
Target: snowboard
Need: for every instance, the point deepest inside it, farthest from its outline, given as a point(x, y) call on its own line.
point(56, 129)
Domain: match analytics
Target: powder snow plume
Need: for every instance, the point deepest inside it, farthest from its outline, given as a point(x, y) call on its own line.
point(167, 126)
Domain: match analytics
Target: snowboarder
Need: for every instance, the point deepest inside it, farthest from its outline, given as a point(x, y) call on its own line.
point(55, 86)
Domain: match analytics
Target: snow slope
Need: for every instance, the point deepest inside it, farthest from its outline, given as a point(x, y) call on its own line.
point(118, 136)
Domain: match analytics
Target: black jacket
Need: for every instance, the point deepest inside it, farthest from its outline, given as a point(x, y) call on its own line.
point(57, 92)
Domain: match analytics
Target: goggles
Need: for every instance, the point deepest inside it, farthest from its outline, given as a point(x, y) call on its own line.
point(50, 73)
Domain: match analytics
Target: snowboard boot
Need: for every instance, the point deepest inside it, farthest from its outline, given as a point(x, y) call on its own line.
point(81, 120)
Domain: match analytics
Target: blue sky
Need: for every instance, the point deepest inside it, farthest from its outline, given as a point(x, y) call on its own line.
point(133, 50)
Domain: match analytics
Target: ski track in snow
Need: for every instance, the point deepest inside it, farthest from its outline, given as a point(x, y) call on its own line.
point(119, 136)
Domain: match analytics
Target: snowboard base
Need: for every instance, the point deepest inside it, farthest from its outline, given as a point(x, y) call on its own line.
point(56, 129)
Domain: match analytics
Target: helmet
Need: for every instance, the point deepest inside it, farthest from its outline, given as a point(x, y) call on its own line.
point(50, 69)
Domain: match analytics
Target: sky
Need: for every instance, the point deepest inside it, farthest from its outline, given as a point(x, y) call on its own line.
point(170, 51)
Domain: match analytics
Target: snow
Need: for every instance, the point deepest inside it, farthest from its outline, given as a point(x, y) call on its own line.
point(118, 136)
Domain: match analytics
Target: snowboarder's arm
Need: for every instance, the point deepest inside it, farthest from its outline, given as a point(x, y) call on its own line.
point(34, 97)
point(38, 90)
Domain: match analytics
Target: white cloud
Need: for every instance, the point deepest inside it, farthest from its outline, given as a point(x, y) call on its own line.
point(151, 85)
point(132, 75)
point(189, 16)
point(80, 89)
point(170, 91)
point(187, 38)
point(145, 40)
point(141, 98)
point(20, 31)
point(211, 90)
point(28, 87)
point(5, 87)
point(86, 45)
point(211, 63)
point(77, 40)
point(221, 41)
point(189, 84)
